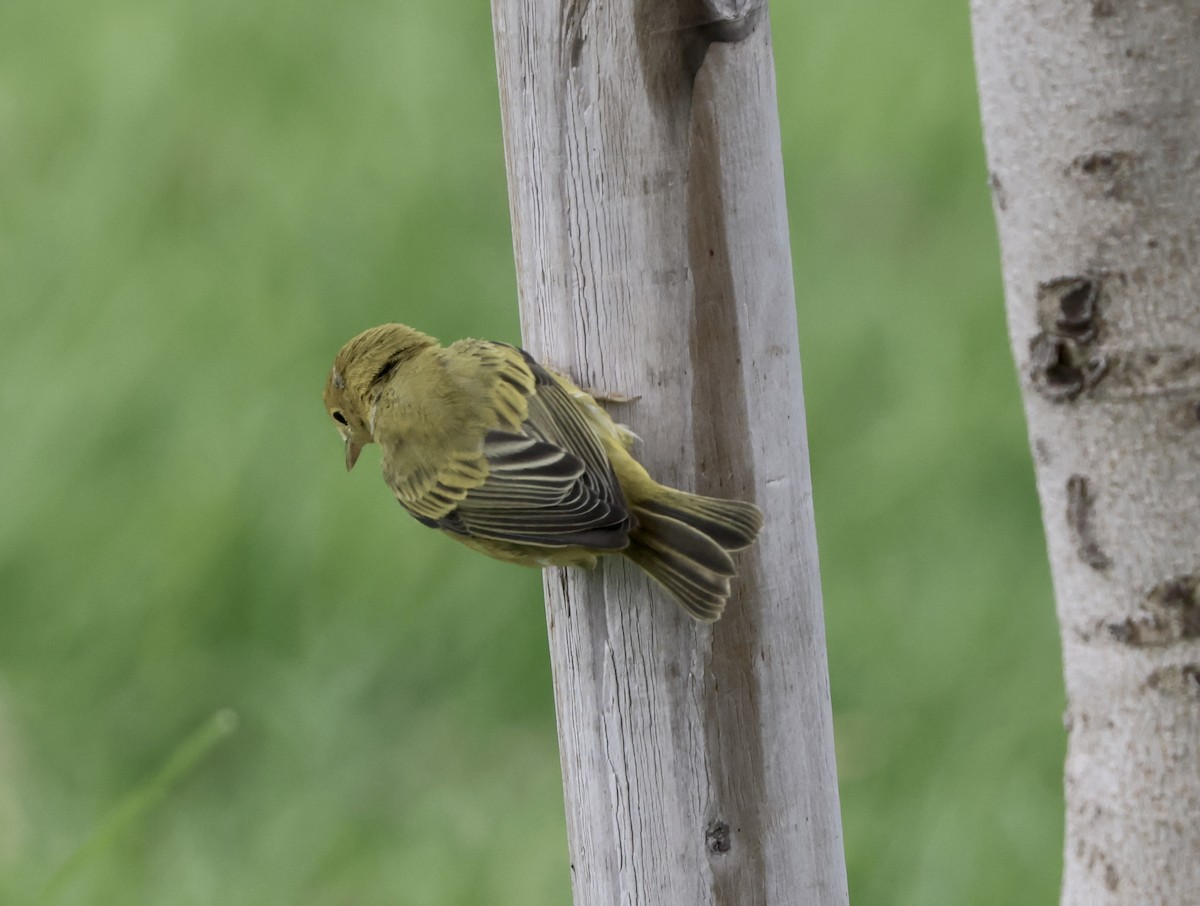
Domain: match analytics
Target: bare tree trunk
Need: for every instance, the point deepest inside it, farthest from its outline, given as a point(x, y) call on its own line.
point(651, 239)
point(1093, 136)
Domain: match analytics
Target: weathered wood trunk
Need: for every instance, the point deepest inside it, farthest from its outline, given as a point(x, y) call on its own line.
point(1092, 126)
point(651, 239)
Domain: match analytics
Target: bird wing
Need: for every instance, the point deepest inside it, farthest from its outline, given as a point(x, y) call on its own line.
point(542, 478)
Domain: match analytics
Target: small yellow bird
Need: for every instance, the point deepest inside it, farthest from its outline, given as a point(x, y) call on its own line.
point(509, 458)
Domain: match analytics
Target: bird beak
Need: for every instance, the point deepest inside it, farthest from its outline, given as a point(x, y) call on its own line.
point(352, 451)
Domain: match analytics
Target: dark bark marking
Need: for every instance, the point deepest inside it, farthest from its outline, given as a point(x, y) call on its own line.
point(1070, 306)
point(1171, 614)
point(1159, 373)
point(1182, 592)
point(998, 194)
point(1105, 174)
point(1112, 880)
point(1077, 309)
point(1100, 162)
point(1178, 679)
point(1063, 362)
point(1093, 856)
point(1061, 369)
point(1041, 452)
point(1164, 368)
point(1080, 511)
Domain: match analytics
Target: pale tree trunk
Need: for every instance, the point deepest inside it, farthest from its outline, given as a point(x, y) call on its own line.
point(1093, 137)
point(650, 229)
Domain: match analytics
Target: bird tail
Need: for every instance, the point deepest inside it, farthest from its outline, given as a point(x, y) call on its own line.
point(683, 541)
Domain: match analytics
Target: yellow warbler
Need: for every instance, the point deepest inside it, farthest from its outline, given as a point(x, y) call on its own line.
point(509, 458)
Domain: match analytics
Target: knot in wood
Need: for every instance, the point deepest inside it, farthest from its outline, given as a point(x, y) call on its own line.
point(716, 837)
point(729, 21)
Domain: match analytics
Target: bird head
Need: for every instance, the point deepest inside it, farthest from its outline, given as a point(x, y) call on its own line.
point(361, 369)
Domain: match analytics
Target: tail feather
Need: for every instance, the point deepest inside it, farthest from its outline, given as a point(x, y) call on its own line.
point(672, 536)
point(733, 524)
point(683, 541)
point(705, 605)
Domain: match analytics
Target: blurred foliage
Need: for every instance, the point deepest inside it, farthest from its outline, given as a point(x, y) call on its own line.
point(200, 201)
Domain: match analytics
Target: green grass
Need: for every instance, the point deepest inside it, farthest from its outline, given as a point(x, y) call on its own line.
point(200, 201)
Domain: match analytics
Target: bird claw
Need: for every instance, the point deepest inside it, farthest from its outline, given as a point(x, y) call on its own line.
point(600, 396)
point(607, 396)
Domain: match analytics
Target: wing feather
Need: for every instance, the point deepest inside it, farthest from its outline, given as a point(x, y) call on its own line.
point(540, 477)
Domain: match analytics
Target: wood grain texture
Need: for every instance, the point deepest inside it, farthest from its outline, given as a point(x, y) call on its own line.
point(651, 239)
point(1091, 122)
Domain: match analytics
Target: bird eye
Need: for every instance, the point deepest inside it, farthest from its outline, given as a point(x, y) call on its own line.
point(338, 417)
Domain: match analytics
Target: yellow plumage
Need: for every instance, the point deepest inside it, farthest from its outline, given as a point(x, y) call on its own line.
point(509, 458)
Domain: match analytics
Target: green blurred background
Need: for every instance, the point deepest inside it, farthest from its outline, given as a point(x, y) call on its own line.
point(200, 200)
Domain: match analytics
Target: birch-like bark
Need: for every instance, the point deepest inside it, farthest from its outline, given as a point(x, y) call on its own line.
point(649, 222)
point(1092, 128)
